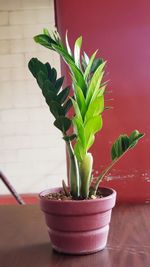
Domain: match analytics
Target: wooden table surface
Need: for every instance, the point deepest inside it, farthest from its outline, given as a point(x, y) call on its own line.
point(24, 241)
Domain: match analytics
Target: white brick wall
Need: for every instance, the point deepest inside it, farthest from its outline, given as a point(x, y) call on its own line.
point(32, 153)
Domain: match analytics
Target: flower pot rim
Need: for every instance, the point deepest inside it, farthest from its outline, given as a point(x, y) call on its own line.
point(46, 191)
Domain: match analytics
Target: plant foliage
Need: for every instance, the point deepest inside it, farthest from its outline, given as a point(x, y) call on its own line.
point(88, 104)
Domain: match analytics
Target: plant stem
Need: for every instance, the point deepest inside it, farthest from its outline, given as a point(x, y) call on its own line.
point(85, 174)
point(100, 177)
point(73, 171)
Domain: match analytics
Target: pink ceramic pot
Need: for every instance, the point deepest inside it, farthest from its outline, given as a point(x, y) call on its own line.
point(78, 226)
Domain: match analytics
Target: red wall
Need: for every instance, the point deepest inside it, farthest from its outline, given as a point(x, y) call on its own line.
point(121, 31)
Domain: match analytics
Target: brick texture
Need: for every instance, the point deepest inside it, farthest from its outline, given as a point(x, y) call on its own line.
point(32, 152)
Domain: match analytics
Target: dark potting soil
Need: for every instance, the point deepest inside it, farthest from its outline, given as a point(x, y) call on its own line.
point(62, 196)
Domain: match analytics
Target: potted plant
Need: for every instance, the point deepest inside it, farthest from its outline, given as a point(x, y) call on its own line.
point(78, 215)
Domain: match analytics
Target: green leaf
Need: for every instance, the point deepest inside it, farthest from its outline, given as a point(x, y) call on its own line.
point(79, 129)
point(100, 92)
point(67, 106)
point(58, 84)
point(134, 137)
point(63, 95)
point(95, 108)
point(35, 66)
point(46, 32)
point(56, 109)
point(63, 53)
point(74, 69)
point(113, 152)
point(53, 75)
point(67, 45)
point(86, 58)
point(97, 62)
point(69, 137)
point(84, 65)
point(79, 150)
point(124, 143)
point(62, 123)
point(48, 93)
point(90, 141)
point(48, 66)
point(49, 86)
point(80, 100)
point(41, 77)
point(45, 40)
point(57, 39)
point(77, 49)
point(76, 109)
point(92, 126)
point(95, 82)
point(88, 68)
point(79, 78)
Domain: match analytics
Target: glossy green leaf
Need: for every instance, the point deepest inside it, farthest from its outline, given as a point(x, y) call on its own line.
point(124, 143)
point(53, 75)
point(79, 129)
point(90, 141)
point(76, 109)
point(86, 58)
point(49, 86)
point(35, 66)
point(79, 150)
point(45, 40)
point(92, 126)
point(67, 106)
point(80, 100)
point(88, 68)
point(55, 45)
point(49, 94)
point(41, 77)
point(134, 137)
point(64, 54)
point(69, 137)
point(95, 82)
point(96, 63)
point(63, 95)
point(46, 32)
point(77, 48)
point(67, 45)
point(74, 69)
point(95, 108)
point(79, 78)
point(100, 92)
point(62, 123)
point(57, 39)
point(58, 84)
point(83, 63)
point(56, 109)
point(48, 66)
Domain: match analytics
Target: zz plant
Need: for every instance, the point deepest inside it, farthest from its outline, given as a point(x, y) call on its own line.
point(88, 105)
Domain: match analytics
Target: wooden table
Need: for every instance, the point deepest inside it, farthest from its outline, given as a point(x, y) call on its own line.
point(24, 241)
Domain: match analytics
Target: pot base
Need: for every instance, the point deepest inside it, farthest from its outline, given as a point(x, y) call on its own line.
point(82, 242)
point(57, 250)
